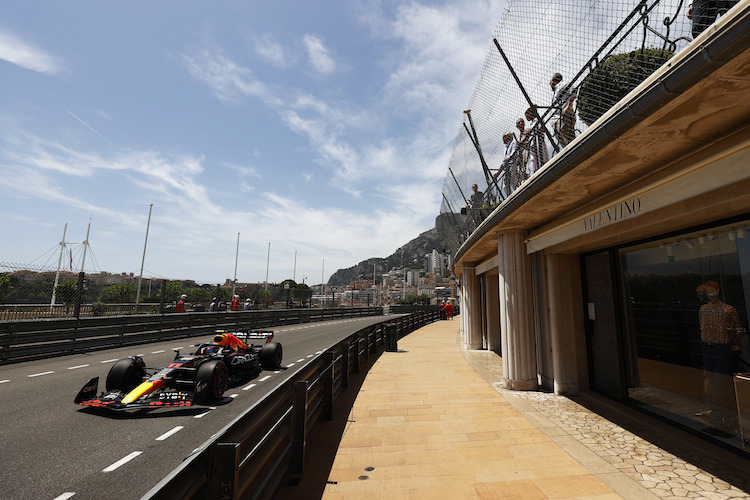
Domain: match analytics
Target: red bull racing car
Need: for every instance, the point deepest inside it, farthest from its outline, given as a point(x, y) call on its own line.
point(197, 378)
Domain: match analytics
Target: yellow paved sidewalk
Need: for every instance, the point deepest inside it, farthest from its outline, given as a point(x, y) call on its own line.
point(428, 422)
point(431, 427)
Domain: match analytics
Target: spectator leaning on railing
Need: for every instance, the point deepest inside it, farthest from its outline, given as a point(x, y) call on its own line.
point(703, 13)
point(477, 198)
point(509, 163)
point(562, 103)
point(534, 138)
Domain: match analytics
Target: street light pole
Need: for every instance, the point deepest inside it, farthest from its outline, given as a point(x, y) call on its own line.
point(268, 262)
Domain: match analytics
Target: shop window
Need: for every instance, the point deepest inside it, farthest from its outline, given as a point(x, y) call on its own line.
point(685, 317)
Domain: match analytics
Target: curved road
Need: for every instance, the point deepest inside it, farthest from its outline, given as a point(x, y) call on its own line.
point(53, 449)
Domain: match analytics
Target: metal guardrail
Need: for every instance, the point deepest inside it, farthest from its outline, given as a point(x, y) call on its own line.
point(265, 446)
point(36, 339)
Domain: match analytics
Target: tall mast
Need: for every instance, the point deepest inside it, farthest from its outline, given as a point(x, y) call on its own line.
point(236, 257)
point(143, 260)
point(59, 263)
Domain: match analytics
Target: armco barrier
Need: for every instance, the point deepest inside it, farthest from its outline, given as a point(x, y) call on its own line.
point(36, 339)
point(265, 446)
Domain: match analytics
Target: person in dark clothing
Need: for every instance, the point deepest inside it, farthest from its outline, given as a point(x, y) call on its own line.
point(703, 13)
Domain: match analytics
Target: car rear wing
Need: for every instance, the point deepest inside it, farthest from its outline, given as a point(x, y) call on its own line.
point(253, 336)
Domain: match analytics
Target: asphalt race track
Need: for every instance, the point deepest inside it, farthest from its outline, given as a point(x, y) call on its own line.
point(53, 449)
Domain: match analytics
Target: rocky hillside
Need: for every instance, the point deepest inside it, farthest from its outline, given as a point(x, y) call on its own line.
point(412, 254)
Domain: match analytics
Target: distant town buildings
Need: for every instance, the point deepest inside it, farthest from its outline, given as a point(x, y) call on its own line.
point(432, 283)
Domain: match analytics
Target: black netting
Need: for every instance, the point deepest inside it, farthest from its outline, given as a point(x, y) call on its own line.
point(599, 51)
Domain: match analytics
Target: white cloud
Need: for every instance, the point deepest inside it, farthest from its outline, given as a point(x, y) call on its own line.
point(270, 50)
point(320, 58)
point(442, 52)
point(16, 51)
point(227, 80)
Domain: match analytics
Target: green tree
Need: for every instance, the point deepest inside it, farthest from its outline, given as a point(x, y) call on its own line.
point(118, 293)
point(5, 288)
point(65, 292)
point(302, 293)
point(265, 297)
point(199, 295)
point(614, 78)
point(174, 290)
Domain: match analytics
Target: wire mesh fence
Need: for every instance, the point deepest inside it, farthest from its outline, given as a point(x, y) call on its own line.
point(553, 68)
point(33, 292)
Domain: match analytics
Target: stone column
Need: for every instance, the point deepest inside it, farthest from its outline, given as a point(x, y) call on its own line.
point(471, 309)
point(565, 319)
point(493, 313)
point(516, 313)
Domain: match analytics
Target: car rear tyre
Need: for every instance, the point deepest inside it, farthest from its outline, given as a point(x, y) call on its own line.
point(211, 381)
point(270, 356)
point(125, 374)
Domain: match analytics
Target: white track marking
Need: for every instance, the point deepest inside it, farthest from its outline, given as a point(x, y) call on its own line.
point(39, 374)
point(75, 368)
point(169, 433)
point(108, 361)
point(290, 365)
point(177, 348)
point(248, 387)
point(264, 378)
point(158, 352)
point(65, 496)
point(122, 461)
point(233, 395)
point(4, 381)
point(310, 355)
point(300, 360)
point(204, 413)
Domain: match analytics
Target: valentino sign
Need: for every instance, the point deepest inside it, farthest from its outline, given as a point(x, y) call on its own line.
point(615, 213)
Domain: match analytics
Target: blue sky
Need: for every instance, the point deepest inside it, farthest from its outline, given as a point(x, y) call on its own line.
point(321, 127)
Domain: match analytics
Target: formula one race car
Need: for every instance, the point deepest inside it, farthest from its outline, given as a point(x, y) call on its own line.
point(197, 378)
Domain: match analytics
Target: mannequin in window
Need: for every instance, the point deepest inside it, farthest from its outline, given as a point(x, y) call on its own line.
point(720, 327)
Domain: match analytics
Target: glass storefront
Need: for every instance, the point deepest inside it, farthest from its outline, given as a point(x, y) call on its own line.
point(684, 323)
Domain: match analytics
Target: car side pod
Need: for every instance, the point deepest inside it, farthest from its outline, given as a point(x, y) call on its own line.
point(88, 391)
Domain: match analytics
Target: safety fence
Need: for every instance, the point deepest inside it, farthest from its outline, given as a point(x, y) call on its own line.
point(265, 446)
point(552, 69)
point(37, 339)
point(29, 291)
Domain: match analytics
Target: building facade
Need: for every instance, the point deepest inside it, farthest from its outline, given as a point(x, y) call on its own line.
point(623, 265)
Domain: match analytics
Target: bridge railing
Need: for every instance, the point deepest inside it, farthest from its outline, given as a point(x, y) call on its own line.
point(265, 447)
point(37, 339)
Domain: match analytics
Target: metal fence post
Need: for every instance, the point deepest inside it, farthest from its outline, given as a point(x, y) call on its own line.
point(391, 337)
point(299, 427)
point(163, 296)
point(326, 411)
point(223, 473)
point(346, 364)
point(79, 296)
point(367, 342)
point(356, 352)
